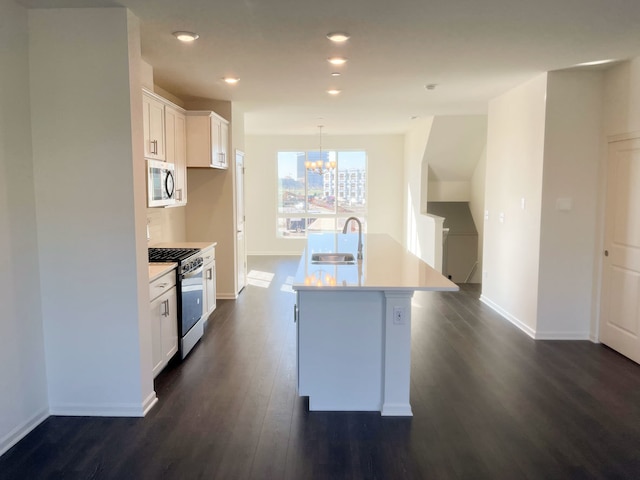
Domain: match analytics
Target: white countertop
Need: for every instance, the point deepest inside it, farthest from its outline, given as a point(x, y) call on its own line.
point(156, 270)
point(386, 265)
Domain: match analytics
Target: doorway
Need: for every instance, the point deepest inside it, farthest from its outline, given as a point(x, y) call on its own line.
point(620, 301)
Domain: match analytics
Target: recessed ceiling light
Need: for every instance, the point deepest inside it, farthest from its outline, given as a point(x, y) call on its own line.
point(337, 60)
point(335, 74)
point(338, 37)
point(186, 36)
point(431, 86)
point(231, 80)
point(595, 62)
point(333, 91)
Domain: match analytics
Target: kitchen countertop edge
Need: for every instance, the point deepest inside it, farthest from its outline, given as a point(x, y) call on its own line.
point(387, 266)
point(156, 270)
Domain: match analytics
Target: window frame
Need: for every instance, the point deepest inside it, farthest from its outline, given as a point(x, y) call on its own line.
point(306, 217)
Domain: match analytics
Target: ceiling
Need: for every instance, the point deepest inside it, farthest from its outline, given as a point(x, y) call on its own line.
point(473, 50)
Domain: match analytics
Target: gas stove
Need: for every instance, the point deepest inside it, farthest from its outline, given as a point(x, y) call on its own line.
point(171, 254)
point(186, 258)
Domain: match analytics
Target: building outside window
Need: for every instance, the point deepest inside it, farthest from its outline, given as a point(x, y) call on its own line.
point(322, 200)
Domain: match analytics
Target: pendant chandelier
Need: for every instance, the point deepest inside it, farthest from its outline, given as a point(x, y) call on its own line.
point(320, 167)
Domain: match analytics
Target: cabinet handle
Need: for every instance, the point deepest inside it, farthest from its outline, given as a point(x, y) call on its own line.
point(295, 313)
point(154, 147)
point(209, 274)
point(167, 310)
point(179, 194)
point(162, 285)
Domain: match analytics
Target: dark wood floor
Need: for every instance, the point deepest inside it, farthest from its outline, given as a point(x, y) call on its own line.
point(488, 403)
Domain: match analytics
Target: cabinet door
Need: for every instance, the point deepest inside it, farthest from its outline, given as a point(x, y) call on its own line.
point(169, 326)
point(209, 305)
point(157, 312)
point(199, 141)
point(176, 151)
point(224, 144)
point(216, 139)
point(153, 127)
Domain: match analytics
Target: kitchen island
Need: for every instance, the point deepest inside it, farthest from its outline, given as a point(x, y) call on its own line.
point(354, 323)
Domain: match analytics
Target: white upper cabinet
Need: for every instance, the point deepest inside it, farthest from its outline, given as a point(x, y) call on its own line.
point(207, 140)
point(176, 148)
point(154, 127)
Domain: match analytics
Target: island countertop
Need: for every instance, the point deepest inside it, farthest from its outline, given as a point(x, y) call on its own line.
point(386, 265)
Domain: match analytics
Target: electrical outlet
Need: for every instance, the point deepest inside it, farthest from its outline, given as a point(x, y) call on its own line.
point(398, 315)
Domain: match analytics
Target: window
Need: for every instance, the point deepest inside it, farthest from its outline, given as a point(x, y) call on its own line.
point(310, 201)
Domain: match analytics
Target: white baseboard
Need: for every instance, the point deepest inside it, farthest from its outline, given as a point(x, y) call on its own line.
point(104, 410)
point(396, 410)
point(562, 336)
point(149, 403)
point(498, 309)
point(21, 431)
point(227, 296)
point(536, 335)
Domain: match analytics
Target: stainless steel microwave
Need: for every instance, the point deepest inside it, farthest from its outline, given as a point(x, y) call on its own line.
point(160, 183)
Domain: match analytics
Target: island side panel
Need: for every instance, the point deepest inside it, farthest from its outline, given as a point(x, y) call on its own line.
point(340, 342)
point(397, 357)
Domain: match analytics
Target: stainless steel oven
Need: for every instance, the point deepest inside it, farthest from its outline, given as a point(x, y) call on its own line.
point(190, 292)
point(190, 328)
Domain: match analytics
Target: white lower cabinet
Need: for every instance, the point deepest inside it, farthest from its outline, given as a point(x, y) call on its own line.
point(209, 282)
point(164, 320)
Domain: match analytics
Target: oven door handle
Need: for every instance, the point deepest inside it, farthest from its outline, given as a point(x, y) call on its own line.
point(193, 273)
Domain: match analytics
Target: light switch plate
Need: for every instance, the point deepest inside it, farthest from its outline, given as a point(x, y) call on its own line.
point(564, 204)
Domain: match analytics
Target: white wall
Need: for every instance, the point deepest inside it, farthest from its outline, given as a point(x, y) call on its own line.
point(515, 150)
point(419, 231)
point(573, 146)
point(622, 98)
point(23, 402)
point(86, 115)
point(385, 185)
point(476, 205)
point(442, 191)
point(455, 145)
point(167, 225)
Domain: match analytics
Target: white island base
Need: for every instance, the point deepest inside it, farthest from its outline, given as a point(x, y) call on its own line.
point(353, 354)
point(354, 324)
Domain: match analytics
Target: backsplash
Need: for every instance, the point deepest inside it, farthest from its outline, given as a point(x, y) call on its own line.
point(166, 225)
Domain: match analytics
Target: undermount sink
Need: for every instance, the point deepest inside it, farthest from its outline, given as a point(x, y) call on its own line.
point(333, 258)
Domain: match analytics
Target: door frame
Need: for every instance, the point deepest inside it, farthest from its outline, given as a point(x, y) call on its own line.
point(601, 225)
point(239, 154)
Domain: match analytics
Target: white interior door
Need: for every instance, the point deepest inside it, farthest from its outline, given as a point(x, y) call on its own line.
point(240, 217)
point(620, 303)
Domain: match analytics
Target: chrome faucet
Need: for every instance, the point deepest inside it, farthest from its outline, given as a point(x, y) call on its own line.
point(344, 230)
